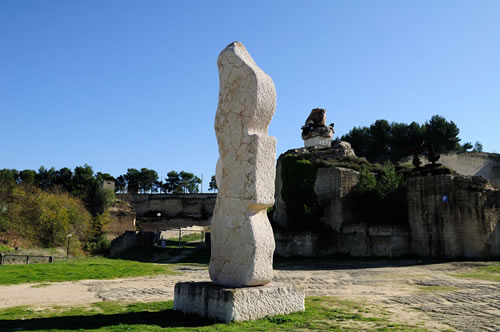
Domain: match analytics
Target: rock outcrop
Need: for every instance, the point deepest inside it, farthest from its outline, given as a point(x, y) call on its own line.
point(242, 238)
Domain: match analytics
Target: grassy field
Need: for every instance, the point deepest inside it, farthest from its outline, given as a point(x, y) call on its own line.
point(322, 314)
point(489, 272)
point(58, 252)
point(191, 240)
point(85, 268)
point(186, 255)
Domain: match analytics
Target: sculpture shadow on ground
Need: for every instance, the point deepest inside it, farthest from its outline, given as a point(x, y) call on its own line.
point(164, 318)
point(166, 255)
point(347, 263)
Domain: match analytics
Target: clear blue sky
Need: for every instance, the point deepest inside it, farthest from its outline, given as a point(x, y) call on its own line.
point(122, 84)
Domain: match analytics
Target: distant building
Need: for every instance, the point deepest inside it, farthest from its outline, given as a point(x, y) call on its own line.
point(108, 184)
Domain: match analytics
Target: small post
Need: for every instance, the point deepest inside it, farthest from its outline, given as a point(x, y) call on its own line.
point(180, 236)
point(2, 259)
point(27, 259)
point(67, 249)
point(51, 259)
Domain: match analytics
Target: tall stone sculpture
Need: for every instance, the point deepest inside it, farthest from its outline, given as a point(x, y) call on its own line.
point(242, 238)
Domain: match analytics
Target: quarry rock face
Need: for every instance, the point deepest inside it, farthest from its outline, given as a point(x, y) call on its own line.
point(454, 216)
point(482, 164)
point(448, 215)
point(331, 185)
point(242, 238)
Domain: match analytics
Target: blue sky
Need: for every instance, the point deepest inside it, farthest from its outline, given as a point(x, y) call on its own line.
point(122, 84)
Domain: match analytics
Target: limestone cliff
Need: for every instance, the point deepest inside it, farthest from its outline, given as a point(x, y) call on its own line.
point(454, 216)
point(123, 218)
point(310, 185)
point(482, 164)
point(445, 215)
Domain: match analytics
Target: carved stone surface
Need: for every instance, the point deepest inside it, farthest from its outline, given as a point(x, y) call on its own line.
point(318, 141)
point(242, 238)
point(237, 304)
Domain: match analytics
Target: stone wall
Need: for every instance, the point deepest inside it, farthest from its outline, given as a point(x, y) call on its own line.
point(195, 206)
point(123, 220)
point(454, 216)
point(153, 225)
point(123, 242)
point(177, 211)
point(482, 164)
point(357, 240)
point(279, 215)
point(331, 185)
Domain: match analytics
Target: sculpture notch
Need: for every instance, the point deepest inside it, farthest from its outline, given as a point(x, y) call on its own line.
point(242, 238)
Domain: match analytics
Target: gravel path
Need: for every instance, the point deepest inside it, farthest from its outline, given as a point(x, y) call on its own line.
point(412, 291)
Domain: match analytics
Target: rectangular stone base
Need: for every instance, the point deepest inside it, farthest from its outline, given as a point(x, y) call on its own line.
point(318, 141)
point(209, 300)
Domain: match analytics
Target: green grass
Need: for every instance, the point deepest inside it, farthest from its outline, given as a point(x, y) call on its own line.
point(4, 248)
point(59, 252)
point(489, 272)
point(187, 241)
point(184, 256)
point(193, 237)
point(322, 314)
point(86, 268)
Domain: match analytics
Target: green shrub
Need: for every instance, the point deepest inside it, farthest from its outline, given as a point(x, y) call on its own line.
point(4, 248)
point(367, 181)
point(298, 176)
point(380, 199)
point(389, 181)
point(102, 245)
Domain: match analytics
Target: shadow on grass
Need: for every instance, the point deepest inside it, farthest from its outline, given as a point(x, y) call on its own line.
point(165, 318)
point(167, 255)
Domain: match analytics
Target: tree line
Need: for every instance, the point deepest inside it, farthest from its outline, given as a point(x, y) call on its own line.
point(43, 207)
point(147, 180)
point(82, 182)
point(393, 141)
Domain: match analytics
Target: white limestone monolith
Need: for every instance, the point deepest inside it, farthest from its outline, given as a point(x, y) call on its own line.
point(241, 236)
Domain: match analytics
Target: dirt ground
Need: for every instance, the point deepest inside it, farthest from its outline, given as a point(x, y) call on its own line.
point(415, 292)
